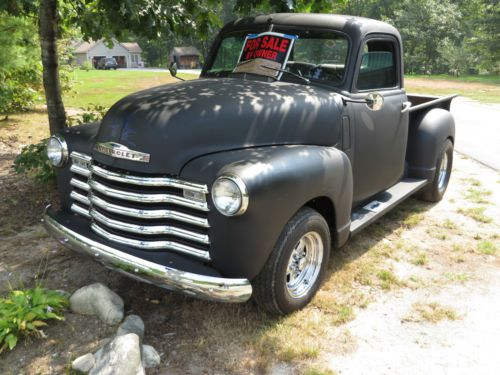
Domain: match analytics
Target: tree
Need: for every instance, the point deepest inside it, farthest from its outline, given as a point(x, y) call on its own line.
point(104, 19)
point(48, 23)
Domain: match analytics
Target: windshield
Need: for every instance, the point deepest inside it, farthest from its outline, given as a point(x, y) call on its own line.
point(316, 55)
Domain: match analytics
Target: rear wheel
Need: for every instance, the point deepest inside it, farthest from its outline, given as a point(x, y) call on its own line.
point(434, 191)
point(297, 265)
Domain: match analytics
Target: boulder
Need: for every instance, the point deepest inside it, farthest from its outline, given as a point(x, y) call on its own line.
point(150, 357)
point(131, 324)
point(84, 363)
point(98, 299)
point(122, 355)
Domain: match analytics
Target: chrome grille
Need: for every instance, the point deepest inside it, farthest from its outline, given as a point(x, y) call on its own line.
point(146, 212)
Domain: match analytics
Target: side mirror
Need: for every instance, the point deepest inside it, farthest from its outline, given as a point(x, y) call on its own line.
point(173, 69)
point(374, 101)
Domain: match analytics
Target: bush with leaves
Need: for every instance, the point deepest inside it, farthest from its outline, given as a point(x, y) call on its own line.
point(33, 160)
point(19, 89)
point(86, 65)
point(24, 312)
point(93, 113)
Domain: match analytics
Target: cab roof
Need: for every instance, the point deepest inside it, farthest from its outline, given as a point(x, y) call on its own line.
point(355, 27)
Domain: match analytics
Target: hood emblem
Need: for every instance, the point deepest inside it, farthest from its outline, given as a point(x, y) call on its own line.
point(120, 151)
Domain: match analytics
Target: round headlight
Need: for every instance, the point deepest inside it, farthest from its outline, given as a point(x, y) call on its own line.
point(57, 151)
point(230, 196)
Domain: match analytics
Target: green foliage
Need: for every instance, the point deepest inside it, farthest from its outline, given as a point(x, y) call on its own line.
point(93, 113)
point(20, 70)
point(87, 65)
point(24, 312)
point(33, 160)
point(19, 88)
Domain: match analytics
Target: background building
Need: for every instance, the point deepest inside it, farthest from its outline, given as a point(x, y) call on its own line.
point(127, 55)
point(185, 57)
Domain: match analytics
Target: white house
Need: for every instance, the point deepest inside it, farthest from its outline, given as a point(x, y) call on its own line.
point(127, 55)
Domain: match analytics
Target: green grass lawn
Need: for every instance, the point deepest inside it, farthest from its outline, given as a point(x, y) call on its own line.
point(106, 87)
point(488, 79)
point(484, 88)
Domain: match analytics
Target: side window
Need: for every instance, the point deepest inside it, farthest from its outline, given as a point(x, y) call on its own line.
point(378, 68)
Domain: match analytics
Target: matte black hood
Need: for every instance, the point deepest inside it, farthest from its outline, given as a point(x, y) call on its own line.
point(179, 122)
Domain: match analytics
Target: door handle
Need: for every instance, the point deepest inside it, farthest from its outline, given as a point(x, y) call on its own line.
point(405, 107)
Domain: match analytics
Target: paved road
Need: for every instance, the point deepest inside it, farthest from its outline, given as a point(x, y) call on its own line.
point(478, 130)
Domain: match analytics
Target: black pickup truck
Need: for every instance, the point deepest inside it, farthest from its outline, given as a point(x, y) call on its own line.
point(239, 183)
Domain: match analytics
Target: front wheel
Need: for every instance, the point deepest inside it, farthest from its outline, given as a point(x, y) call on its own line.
point(435, 190)
point(297, 265)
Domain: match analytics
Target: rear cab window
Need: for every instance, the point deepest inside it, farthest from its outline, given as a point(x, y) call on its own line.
point(378, 68)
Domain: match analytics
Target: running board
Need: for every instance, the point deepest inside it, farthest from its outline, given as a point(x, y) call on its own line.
point(383, 203)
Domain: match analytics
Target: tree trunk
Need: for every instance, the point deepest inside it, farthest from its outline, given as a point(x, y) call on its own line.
point(48, 25)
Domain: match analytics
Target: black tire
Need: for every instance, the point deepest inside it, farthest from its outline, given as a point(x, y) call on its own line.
point(270, 287)
point(434, 191)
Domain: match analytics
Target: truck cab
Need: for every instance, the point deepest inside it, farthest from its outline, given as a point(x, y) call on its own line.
point(296, 136)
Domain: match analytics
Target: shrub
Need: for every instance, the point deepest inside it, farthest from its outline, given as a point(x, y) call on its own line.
point(92, 113)
point(24, 312)
point(86, 65)
point(33, 159)
point(19, 89)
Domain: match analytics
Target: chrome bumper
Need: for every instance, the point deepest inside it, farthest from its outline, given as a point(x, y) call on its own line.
point(200, 286)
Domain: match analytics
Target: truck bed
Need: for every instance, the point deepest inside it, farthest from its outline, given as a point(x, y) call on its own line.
point(421, 102)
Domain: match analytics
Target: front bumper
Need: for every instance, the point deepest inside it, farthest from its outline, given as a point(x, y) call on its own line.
point(196, 285)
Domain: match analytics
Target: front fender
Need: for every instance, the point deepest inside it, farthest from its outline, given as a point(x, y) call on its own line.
point(280, 180)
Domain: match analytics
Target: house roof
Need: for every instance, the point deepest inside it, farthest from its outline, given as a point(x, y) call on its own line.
point(185, 51)
point(83, 47)
point(132, 47)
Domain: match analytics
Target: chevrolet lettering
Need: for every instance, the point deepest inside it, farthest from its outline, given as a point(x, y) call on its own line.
point(120, 151)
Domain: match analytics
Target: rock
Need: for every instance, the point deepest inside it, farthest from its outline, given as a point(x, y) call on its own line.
point(150, 357)
point(121, 356)
point(98, 299)
point(131, 324)
point(83, 363)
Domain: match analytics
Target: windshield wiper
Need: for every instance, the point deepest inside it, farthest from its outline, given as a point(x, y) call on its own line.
point(288, 72)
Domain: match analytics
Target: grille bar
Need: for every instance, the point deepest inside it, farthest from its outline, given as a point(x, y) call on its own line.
point(150, 245)
point(146, 198)
point(80, 210)
point(79, 184)
point(79, 170)
point(147, 181)
point(147, 214)
point(148, 229)
point(80, 198)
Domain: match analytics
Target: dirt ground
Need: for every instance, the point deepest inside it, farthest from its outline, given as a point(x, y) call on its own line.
point(417, 292)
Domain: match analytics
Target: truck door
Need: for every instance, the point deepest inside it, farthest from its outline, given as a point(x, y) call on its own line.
point(379, 137)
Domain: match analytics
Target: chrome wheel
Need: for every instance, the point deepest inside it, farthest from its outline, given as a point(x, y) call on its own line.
point(443, 173)
point(304, 265)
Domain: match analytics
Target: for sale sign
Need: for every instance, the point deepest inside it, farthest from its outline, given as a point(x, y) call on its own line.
point(264, 51)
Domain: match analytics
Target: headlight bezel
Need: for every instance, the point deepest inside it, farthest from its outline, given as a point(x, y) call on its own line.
point(64, 151)
point(243, 194)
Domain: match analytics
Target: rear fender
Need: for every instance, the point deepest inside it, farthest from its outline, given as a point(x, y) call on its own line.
point(428, 132)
